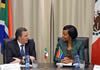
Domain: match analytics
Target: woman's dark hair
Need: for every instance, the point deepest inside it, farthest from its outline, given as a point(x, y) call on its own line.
point(72, 31)
point(19, 32)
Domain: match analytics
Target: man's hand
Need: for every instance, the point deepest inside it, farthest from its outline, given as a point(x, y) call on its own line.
point(32, 58)
point(17, 60)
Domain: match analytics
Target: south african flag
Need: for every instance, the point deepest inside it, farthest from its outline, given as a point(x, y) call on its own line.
point(60, 53)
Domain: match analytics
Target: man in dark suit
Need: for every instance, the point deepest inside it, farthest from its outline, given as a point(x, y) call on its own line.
point(17, 48)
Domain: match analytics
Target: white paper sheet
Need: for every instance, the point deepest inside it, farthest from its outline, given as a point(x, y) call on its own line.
point(24, 65)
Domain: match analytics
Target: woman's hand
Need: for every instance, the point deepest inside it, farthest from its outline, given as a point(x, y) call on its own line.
point(67, 60)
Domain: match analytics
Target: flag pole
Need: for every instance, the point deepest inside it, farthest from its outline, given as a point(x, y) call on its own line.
point(45, 57)
point(10, 19)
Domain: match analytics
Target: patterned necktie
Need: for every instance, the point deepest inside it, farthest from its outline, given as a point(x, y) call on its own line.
point(22, 51)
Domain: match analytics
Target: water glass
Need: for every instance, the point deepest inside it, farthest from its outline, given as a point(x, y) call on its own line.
point(82, 64)
point(59, 65)
point(34, 64)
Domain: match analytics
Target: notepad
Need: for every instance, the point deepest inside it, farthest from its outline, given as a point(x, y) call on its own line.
point(63, 64)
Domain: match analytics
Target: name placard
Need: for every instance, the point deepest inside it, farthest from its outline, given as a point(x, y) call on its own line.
point(15, 66)
point(96, 67)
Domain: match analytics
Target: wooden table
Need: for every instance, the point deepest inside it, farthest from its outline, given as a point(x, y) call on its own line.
point(44, 66)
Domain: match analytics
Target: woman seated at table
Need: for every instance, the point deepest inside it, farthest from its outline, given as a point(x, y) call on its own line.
point(68, 46)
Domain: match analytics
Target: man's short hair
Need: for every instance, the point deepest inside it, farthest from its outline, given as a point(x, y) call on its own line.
point(72, 31)
point(19, 32)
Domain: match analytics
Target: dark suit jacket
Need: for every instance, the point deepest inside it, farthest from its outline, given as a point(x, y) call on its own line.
point(13, 50)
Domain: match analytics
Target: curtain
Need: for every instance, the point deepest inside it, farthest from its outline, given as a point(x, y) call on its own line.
point(45, 19)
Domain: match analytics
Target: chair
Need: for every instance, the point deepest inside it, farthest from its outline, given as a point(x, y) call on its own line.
point(85, 41)
point(4, 51)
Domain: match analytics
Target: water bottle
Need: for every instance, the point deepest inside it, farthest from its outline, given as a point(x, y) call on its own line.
point(27, 62)
point(77, 62)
